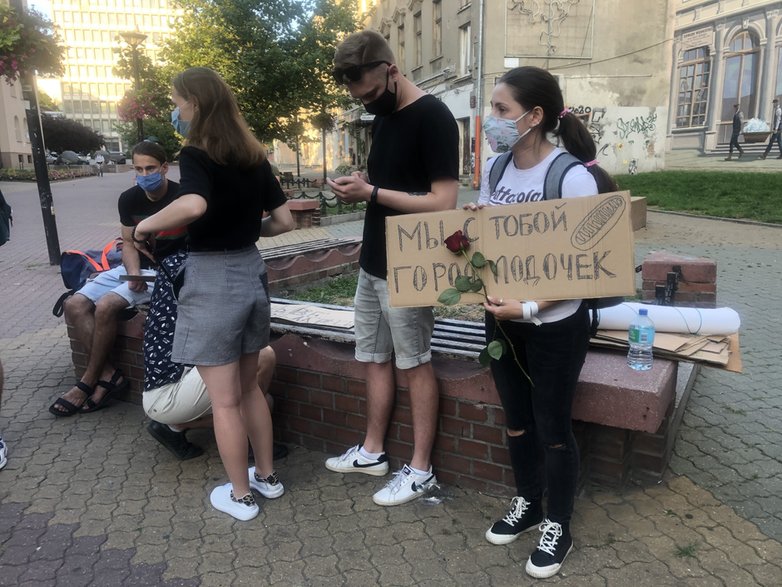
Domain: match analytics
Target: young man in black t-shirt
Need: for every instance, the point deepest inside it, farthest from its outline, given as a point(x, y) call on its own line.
point(93, 311)
point(412, 168)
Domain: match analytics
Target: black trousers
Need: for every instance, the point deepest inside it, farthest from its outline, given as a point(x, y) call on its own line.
point(776, 137)
point(734, 142)
point(552, 355)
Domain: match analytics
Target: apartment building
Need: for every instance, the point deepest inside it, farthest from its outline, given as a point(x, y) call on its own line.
point(91, 31)
point(15, 150)
point(612, 58)
point(725, 52)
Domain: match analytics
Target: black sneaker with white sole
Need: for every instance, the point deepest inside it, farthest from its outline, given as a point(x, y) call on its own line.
point(555, 544)
point(523, 515)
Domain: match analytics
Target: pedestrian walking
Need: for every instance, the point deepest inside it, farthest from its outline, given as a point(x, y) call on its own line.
point(776, 129)
point(738, 119)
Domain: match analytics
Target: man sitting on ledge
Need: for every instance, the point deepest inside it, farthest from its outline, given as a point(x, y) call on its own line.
point(175, 396)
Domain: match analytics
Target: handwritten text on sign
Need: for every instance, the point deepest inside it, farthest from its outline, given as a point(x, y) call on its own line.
point(551, 250)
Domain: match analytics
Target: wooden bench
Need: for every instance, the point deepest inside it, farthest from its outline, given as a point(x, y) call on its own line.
point(295, 264)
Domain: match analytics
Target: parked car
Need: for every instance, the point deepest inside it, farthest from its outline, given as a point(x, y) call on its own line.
point(71, 158)
point(51, 157)
point(117, 156)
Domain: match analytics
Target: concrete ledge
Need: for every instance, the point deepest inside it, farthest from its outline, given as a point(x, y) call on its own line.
point(638, 212)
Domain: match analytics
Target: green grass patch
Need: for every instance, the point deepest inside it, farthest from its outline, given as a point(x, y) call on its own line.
point(687, 551)
point(751, 196)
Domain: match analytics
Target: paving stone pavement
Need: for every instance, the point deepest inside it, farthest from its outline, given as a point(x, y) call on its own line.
point(94, 500)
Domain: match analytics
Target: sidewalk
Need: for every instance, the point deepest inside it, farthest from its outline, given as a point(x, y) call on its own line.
point(94, 500)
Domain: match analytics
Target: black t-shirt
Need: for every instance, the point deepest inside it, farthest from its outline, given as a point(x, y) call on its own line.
point(134, 206)
point(411, 148)
point(236, 199)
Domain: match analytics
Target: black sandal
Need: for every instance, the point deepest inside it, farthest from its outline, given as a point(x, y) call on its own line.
point(111, 387)
point(69, 409)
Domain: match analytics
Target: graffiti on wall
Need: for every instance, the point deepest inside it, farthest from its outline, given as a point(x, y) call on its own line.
point(625, 137)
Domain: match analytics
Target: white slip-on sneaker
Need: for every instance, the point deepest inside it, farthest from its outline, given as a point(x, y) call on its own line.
point(353, 462)
point(244, 508)
point(3, 453)
point(270, 487)
point(405, 486)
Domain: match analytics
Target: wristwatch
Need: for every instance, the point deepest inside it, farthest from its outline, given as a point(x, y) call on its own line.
point(373, 197)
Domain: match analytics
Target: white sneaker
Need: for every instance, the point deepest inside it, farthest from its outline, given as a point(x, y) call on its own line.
point(405, 486)
point(3, 453)
point(353, 462)
point(243, 509)
point(270, 487)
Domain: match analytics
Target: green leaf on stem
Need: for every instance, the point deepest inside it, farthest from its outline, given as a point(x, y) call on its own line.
point(463, 283)
point(493, 267)
point(496, 349)
point(484, 358)
point(476, 284)
point(478, 260)
point(449, 297)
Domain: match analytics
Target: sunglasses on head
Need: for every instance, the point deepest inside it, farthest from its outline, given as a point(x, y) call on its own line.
point(344, 75)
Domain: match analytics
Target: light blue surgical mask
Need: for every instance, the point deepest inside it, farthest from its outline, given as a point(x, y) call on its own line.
point(181, 126)
point(502, 133)
point(151, 182)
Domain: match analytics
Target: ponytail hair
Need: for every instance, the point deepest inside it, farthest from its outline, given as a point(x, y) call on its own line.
point(533, 86)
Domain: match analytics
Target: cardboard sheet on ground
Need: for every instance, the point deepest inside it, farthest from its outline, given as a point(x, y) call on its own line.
point(305, 314)
point(550, 250)
point(715, 350)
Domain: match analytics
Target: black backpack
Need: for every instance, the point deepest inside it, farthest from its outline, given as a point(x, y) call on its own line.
point(6, 220)
point(552, 188)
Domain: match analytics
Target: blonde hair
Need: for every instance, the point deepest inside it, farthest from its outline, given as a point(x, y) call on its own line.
point(217, 126)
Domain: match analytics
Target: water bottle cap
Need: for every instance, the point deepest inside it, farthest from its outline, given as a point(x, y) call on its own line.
point(643, 312)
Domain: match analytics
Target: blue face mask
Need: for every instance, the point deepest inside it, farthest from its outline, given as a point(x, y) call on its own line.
point(181, 126)
point(151, 182)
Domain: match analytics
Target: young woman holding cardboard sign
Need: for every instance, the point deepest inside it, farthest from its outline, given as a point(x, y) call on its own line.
point(549, 339)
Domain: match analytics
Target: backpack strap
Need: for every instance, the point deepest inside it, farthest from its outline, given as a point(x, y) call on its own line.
point(555, 175)
point(498, 170)
point(104, 260)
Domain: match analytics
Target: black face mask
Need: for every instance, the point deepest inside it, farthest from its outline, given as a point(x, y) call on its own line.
point(385, 104)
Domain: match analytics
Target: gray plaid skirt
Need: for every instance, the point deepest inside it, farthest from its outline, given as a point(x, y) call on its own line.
point(223, 306)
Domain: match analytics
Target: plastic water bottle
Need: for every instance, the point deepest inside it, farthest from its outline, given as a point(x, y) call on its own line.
point(641, 337)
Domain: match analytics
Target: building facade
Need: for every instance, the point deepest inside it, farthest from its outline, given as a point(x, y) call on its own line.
point(725, 52)
point(91, 31)
point(614, 69)
point(15, 150)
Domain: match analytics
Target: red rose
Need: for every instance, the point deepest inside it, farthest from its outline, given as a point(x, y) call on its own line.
point(457, 242)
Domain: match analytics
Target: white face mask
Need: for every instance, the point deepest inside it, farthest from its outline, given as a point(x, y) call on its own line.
point(502, 133)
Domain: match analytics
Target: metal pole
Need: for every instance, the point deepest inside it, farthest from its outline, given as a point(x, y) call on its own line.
point(39, 158)
point(324, 155)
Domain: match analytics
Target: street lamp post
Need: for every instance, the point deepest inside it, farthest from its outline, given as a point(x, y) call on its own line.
point(134, 40)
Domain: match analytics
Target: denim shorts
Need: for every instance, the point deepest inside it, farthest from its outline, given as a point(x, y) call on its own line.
point(108, 282)
point(178, 402)
point(383, 332)
point(223, 307)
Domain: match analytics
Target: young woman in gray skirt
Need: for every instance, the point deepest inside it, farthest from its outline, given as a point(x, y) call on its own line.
point(226, 186)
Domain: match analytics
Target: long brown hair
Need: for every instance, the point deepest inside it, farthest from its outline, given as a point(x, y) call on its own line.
point(217, 126)
point(532, 86)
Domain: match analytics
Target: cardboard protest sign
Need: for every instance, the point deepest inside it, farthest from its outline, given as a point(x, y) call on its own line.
point(551, 250)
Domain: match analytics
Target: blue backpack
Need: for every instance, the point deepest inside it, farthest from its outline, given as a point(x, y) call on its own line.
point(78, 266)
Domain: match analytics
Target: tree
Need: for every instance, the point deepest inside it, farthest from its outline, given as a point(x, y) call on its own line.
point(276, 55)
point(155, 129)
point(28, 44)
point(46, 103)
point(63, 134)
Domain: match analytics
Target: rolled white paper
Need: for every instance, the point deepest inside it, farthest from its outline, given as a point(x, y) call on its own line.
point(676, 319)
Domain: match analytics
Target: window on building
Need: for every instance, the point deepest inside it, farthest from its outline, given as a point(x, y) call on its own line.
point(437, 28)
point(400, 52)
point(12, 89)
point(741, 78)
point(17, 129)
point(465, 49)
point(26, 130)
point(417, 31)
point(693, 88)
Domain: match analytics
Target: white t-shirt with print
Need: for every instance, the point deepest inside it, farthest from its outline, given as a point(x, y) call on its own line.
point(517, 186)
